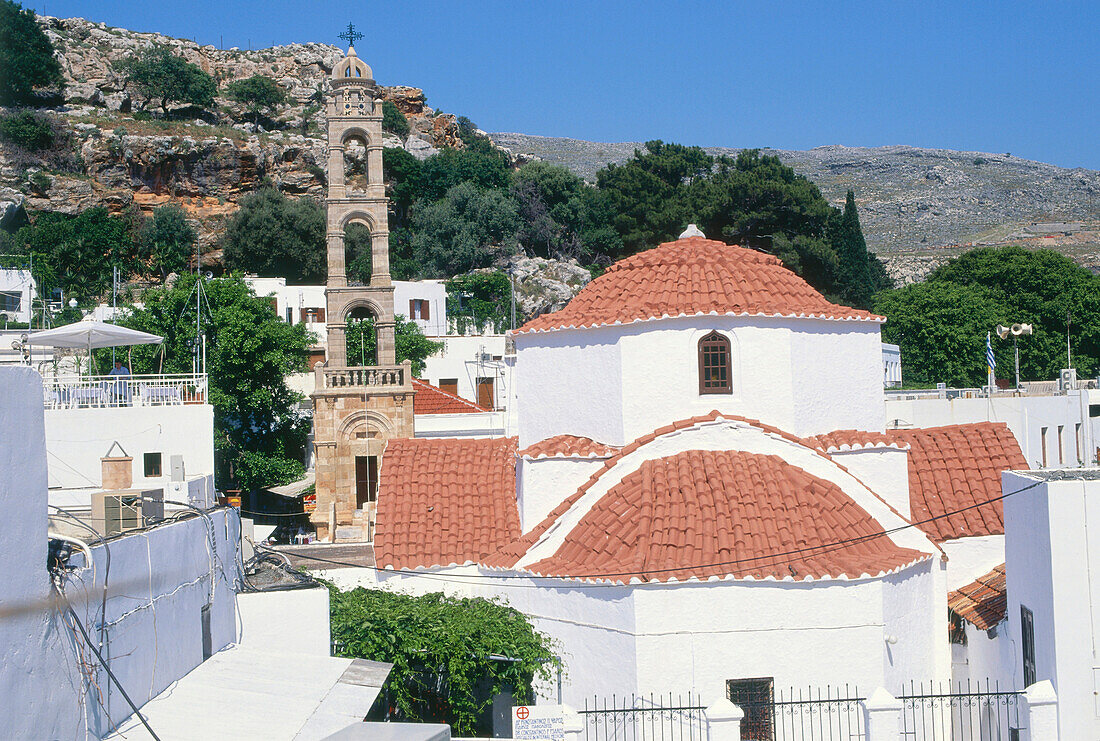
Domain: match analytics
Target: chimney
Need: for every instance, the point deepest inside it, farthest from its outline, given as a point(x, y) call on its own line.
point(118, 469)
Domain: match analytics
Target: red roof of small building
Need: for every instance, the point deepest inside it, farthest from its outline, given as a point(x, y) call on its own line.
point(445, 501)
point(430, 399)
point(690, 277)
point(707, 513)
point(840, 440)
point(983, 602)
point(955, 468)
point(568, 446)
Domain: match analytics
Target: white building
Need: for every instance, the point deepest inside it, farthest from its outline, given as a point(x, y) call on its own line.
point(891, 365)
point(163, 608)
point(703, 490)
point(17, 295)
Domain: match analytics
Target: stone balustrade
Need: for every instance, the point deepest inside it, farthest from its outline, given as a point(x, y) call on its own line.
point(361, 377)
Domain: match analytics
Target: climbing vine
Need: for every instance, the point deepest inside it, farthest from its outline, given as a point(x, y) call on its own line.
point(441, 649)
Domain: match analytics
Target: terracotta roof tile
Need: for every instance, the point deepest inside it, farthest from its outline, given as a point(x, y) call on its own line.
point(445, 501)
point(568, 446)
point(957, 466)
point(984, 602)
point(430, 399)
point(689, 277)
point(841, 440)
point(706, 513)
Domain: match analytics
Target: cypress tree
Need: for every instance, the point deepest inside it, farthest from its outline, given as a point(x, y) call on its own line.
point(855, 282)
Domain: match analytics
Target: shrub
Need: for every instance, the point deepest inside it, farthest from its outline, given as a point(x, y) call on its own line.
point(393, 120)
point(158, 73)
point(27, 129)
point(257, 93)
point(27, 57)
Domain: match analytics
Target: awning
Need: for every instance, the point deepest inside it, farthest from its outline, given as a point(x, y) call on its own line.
point(90, 334)
point(295, 489)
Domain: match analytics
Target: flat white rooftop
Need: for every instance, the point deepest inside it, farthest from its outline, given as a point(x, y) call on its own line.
point(245, 693)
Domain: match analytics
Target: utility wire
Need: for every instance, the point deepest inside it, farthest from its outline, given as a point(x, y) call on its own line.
point(111, 674)
point(771, 558)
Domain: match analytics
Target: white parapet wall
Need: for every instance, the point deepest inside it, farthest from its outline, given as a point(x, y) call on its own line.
point(290, 621)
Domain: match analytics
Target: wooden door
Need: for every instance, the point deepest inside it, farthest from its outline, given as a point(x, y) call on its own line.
point(485, 393)
point(366, 479)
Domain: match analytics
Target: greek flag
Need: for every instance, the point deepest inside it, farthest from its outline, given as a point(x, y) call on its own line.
point(990, 361)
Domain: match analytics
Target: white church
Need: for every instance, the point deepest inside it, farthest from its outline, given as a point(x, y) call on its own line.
point(703, 490)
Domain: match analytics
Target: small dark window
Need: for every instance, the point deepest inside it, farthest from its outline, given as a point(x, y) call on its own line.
point(956, 628)
point(756, 698)
point(419, 309)
point(1094, 410)
point(366, 479)
point(152, 465)
point(1027, 644)
point(715, 367)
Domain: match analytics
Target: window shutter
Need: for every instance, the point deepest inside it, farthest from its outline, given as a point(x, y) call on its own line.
point(425, 309)
point(412, 309)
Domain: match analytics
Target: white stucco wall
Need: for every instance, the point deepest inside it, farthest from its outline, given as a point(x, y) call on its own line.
point(76, 440)
point(476, 424)
point(984, 657)
point(292, 621)
point(570, 382)
point(1026, 416)
point(432, 291)
point(542, 484)
point(836, 376)
point(969, 558)
point(1052, 561)
point(803, 376)
point(915, 614)
point(158, 583)
point(884, 470)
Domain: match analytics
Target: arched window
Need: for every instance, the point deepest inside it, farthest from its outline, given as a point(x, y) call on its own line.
point(347, 71)
point(715, 365)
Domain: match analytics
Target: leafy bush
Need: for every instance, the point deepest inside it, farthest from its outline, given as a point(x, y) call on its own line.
point(158, 73)
point(257, 470)
point(258, 93)
point(393, 120)
point(27, 129)
point(275, 236)
point(440, 648)
point(480, 301)
point(167, 239)
point(27, 61)
point(40, 182)
point(469, 228)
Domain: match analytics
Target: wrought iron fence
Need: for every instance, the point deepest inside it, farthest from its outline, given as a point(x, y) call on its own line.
point(168, 389)
point(972, 712)
point(649, 717)
point(804, 714)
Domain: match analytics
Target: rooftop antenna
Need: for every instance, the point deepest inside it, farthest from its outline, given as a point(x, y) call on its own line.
point(351, 35)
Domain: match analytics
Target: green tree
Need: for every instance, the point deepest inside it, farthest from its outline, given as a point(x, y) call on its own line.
point(275, 236)
point(27, 61)
point(441, 172)
point(393, 120)
point(78, 252)
point(941, 329)
point(257, 93)
point(481, 301)
point(158, 73)
point(1039, 287)
point(410, 343)
point(856, 281)
point(249, 353)
point(357, 253)
point(441, 649)
point(649, 196)
point(553, 209)
point(168, 239)
point(469, 228)
point(401, 171)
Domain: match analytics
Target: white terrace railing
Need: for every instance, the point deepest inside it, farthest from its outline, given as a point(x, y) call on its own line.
point(79, 392)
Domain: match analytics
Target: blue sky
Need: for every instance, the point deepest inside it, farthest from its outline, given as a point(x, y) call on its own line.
point(1019, 77)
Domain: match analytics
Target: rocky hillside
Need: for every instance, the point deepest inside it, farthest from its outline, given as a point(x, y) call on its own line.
point(203, 160)
point(918, 206)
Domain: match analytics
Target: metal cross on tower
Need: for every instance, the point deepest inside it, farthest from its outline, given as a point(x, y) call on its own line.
point(351, 35)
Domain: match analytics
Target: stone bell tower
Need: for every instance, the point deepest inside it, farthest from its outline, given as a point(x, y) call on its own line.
point(356, 408)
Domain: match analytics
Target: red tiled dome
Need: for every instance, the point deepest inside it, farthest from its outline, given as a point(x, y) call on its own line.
point(689, 277)
point(707, 513)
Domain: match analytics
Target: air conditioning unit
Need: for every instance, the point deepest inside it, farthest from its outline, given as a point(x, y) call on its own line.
point(115, 512)
point(1067, 379)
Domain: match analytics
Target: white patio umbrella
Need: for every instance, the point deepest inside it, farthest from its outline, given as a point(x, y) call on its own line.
point(90, 334)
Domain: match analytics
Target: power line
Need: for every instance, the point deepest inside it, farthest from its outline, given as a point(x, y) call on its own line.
point(771, 559)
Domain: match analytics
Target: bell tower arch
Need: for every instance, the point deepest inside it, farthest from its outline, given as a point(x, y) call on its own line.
point(356, 408)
